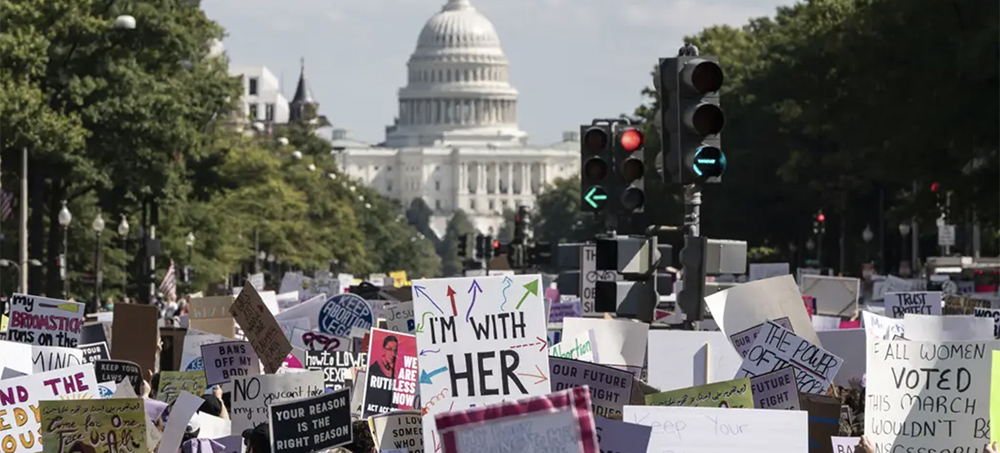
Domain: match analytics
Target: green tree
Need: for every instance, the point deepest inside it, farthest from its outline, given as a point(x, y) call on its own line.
point(419, 216)
point(458, 225)
point(558, 216)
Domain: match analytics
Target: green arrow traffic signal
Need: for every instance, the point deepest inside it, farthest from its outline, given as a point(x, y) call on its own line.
point(595, 197)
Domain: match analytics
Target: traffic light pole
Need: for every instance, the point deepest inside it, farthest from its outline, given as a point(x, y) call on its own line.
point(692, 210)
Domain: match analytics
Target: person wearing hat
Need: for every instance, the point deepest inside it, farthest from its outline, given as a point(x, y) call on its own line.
point(258, 439)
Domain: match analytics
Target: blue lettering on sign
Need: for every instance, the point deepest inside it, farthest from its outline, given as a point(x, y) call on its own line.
point(343, 312)
point(196, 365)
point(105, 392)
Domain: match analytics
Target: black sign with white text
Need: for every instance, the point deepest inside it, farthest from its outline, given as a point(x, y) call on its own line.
point(94, 352)
point(311, 424)
point(118, 371)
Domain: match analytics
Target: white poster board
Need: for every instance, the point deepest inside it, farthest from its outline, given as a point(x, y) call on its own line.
point(717, 430)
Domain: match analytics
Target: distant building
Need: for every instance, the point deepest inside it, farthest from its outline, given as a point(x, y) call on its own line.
point(262, 99)
point(456, 142)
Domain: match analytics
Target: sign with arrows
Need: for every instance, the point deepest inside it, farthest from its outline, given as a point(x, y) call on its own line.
point(595, 198)
point(481, 340)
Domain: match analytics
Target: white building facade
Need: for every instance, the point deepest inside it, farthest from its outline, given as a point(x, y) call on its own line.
point(456, 142)
point(262, 99)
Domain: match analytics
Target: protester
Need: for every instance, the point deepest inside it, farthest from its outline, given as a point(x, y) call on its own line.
point(258, 439)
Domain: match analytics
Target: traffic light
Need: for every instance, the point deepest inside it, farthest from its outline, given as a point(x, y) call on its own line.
point(463, 246)
point(630, 162)
point(481, 247)
point(521, 224)
point(819, 223)
point(539, 254)
point(692, 120)
point(596, 161)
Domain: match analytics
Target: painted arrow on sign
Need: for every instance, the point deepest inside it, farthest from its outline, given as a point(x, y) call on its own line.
point(474, 289)
point(425, 377)
point(541, 341)
point(529, 288)
point(540, 376)
point(451, 295)
point(422, 291)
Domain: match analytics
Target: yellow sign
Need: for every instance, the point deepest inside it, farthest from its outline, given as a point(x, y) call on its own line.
point(734, 393)
point(399, 279)
point(117, 425)
point(995, 397)
point(172, 382)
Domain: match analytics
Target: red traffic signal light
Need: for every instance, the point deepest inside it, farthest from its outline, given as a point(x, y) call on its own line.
point(631, 140)
point(496, 245)
point(935, 187)
point(820, 218)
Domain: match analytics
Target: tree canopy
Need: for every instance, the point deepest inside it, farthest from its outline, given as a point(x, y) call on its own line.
point(141, 123)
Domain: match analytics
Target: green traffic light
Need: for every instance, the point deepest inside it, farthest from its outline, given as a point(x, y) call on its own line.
point(595, 197)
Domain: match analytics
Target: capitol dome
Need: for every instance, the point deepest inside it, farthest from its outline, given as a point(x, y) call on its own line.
point(458, 87)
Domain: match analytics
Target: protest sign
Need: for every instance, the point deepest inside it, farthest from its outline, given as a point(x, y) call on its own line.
point(336, 366)
point(580, 347)
point(118, 371)
point(562, 310)
point(94, 352)
point(344, 314)
point(919, 302)
point(777, 347)
point(610, 388)
point(481, 340)
point(622, 342)
point(318, 341)
point(191, 357)
point(776, 390)
point(397, 430)
point(993, 313)
point(881, 327)
point(311, 424)
point(928, 395)
point(19, 399)
point(93, 333)
point(102, 425)
point(735, 393)
point(181, 412)
point(557, 422)
point(261, 328)
point(106, 389)
point(225, 360)
point(692, 358)
point(211, 314)
point(614, 436)
point(751, 304)
point(718, 430)
point(172, 383)
point(28, 358)
point(399, 317)
point(252, 394)
point(392, 372)
point(44, 322)
point(745, 339)
point(138, 336)
point(947, 328)
point(844, 444)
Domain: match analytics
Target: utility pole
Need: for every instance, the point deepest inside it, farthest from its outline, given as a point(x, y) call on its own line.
point(23, 222)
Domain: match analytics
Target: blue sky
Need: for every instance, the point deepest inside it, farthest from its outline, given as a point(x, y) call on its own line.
point(356, 51)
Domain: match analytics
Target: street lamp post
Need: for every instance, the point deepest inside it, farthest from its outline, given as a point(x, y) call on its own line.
point(867, 235)
point(189, 241)
point(98, 226)
point(123, 228)
point(65, 217)
point(17, 269)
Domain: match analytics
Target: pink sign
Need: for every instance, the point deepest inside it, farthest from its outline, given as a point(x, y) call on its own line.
point(856, 324)
point(292, 362)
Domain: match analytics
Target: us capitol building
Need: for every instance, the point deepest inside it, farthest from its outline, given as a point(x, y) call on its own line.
point(455, 141)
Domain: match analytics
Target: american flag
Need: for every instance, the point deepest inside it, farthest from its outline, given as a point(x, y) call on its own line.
point(168, 286)
point(7, 202)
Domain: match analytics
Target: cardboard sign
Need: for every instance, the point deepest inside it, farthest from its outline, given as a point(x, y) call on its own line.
point(392, 372)
point(172, 383)
point(191, 358)
point(620, 437)
point(94, 352)
point(776, 390)
point(44, 322)
point(251, 395)
point(919, 302)
point(903, 373)
point(311, 424)
point(717, 430)
point(135, 327)
point(399, 317)
point(19, 397)
point(558, 422)
point(990, 313)
point(226, 360)
point(318, 341)
point(99, 424)
point(397, 431)
point(735, 393)
point(484, 335)
point(777, 347)
point(744, 340)
point(261, 328)
point(581, 347)
point(117, 371)
point(336, 366)
point(610, 387)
